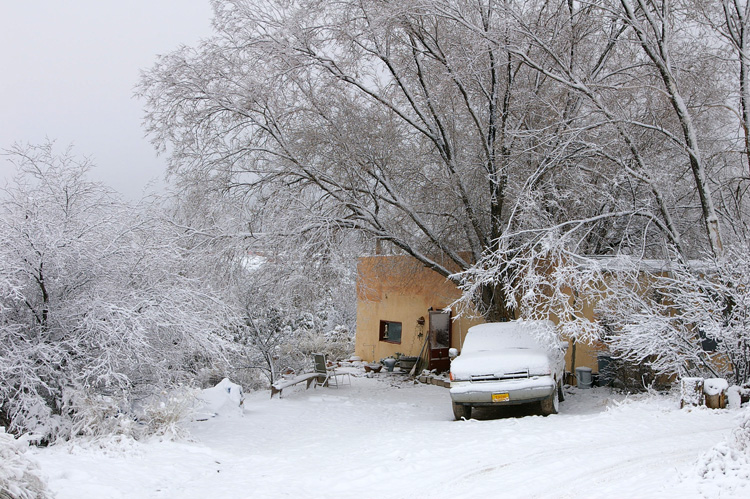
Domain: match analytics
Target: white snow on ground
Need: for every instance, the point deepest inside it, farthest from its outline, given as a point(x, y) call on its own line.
point(377, 440)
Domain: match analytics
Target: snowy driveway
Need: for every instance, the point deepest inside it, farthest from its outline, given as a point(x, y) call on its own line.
point(377, 440)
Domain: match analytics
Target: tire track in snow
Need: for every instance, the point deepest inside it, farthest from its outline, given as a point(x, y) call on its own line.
point(590, 474)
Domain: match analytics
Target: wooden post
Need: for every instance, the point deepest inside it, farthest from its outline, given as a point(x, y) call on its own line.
point(691, 392)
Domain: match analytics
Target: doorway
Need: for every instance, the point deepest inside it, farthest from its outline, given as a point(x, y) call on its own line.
point(440, 339)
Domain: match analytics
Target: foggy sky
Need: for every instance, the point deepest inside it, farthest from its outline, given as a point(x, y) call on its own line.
point(68, 71)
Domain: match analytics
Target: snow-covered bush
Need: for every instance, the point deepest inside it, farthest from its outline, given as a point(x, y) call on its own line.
point(280, 340)
point(101, 301)
point(92, 414)
point(165, 413)
point(295, 352)
point(684, 319)
point(20, 477)
point(726, 467)
point(337, 344)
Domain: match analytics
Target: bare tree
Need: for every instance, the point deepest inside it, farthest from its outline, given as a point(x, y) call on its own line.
point(99, 299)
point(417, 128)
point(736, 28)
point(289, 287)
point(652, 22)
point(659, 79)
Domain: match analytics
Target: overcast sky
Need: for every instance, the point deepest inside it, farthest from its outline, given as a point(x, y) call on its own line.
point(67, 73)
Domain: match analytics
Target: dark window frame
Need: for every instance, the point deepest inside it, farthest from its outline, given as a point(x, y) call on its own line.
point(707, 344)
point(383, 332)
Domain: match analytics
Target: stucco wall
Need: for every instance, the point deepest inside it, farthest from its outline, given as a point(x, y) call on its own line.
point(400, 289)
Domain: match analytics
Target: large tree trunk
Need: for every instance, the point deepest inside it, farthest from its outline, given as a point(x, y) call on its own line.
point(494, 305)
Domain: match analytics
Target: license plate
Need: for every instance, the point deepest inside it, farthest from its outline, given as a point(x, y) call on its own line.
point(500, 397)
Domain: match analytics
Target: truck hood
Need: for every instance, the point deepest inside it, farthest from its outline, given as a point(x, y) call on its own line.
point(500, 363)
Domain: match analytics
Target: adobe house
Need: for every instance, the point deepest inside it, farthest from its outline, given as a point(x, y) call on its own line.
point(403, 306)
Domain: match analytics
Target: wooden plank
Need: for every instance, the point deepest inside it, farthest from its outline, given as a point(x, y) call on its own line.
point(280, 385)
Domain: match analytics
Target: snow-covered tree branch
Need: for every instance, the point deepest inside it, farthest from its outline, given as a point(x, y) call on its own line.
point(97, 296)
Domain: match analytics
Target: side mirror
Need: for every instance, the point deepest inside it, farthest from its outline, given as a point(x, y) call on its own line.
point(452, 353)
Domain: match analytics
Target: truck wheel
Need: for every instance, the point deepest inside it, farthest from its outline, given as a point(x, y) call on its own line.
point(560, 392)
point(461, 411)
point(551, 404)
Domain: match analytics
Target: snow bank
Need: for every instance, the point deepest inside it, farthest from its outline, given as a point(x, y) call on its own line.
point(19, 475)
point(224, 399)
point(725, 469)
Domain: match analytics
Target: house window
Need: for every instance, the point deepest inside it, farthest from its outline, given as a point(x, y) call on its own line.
point(708, 344)
point(390, 331)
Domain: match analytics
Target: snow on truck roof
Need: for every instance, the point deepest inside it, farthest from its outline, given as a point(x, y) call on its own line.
point(502, 335)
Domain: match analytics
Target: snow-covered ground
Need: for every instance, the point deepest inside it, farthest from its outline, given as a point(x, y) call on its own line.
point(383, 438)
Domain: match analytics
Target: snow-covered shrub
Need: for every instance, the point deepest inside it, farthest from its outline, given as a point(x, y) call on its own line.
point(337, 344)
point(20, 476)
point(166, 412)
point(96, 293)
point(94, 415)
point(91, 414)
point(283, 340)
point(29, 414)
point(726, 467)
point(685, 319)
point(297, 352)
point(636, 377)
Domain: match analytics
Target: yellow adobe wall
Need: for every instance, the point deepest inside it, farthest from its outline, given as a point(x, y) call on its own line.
point(585, 356)
point(400, 289)
point(585, 353)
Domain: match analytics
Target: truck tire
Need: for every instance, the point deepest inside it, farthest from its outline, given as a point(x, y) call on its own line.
point(551, 404)
point(461, 411)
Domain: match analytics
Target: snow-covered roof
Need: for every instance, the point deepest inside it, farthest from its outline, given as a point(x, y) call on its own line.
point(621, 263)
